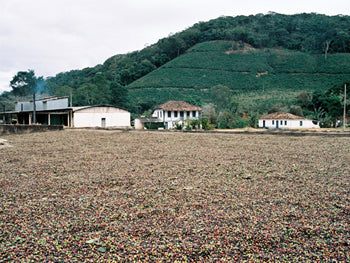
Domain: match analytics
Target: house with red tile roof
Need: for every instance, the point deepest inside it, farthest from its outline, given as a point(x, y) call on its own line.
point(285, 121)
point(172, 112)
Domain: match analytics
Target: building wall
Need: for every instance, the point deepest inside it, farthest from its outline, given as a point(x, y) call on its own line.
point(102, 117)
point(287, 124)
point(175, 116)
point(19, 129)
point(48, 104)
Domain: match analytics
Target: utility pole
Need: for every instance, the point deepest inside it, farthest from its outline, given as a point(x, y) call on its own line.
point(70, 99)
point(4, 116)
point(344, 115)
point(34, 109)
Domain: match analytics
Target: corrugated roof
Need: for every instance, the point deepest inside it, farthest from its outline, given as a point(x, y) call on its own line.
point(172, 105)
point(282, 116)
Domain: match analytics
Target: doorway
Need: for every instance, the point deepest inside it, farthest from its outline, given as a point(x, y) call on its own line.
point(103, 122)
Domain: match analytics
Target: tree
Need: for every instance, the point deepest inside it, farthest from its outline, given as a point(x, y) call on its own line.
point(172, 46)
point(85, 95)
point(254, 120)
point(296, 110)
point(119, 95)
point(102, 93)
point(226, 120)
point(330, 103)
point(221, 96)
point(208, 111)
point(24, 83)
point(304, 99)
point(233, 106)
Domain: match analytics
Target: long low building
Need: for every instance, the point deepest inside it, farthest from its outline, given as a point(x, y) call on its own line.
point(55, 111)
point(285, 121)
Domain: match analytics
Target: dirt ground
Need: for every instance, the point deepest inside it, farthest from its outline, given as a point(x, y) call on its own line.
point(91, 196)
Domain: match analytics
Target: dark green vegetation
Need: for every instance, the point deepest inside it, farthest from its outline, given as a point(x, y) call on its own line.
point(258, 78)
point(174, 197)
point(266, 60)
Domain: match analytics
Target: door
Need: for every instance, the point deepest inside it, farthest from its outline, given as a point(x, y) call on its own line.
point(103, 122)
point(276, 124)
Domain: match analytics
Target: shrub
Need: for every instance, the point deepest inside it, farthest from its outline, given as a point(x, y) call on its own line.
point(154, 126)
point(195, 124)
point(206, 125)
point(179, 126)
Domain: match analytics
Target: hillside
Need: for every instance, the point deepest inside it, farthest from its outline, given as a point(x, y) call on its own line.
point(290, 48)
point(259, 78)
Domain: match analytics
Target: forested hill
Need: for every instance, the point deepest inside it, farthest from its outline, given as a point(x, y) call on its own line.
point(105, 83)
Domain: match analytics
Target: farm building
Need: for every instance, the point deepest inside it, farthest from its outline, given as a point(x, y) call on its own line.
point(100, 116)
point(285, 121)
point(173, 112)
point(55, 111)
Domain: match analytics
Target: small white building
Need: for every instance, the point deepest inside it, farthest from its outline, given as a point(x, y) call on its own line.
point(285, 121)
point(173, 112)
point(100, 116)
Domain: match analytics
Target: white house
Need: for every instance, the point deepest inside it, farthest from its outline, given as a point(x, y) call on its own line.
point(173, 112)
point(285, 121)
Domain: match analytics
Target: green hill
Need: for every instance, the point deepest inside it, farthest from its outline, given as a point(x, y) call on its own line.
point(282, 56)
point(259, 78)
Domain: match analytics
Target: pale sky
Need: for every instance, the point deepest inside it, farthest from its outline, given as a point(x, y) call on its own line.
point(53, 36)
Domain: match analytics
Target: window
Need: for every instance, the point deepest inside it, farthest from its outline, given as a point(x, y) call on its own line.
point(285, 122)
point(169, 114)
point(175, 114)
point(301, 123)
point(188, 114)
point(181, 114)
point(281, 122)
point(193, 114)
point(273, 122)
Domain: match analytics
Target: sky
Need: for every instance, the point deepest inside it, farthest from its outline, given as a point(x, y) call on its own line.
point(53, 36)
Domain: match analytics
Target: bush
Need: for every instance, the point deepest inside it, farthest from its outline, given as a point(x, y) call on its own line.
point(253, 120)
point(179, 126)
point(228, 120)
point(195, 124)
point(206, 124)
point(154, 126)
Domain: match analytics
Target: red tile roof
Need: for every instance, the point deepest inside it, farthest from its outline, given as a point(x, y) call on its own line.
point(281, 116)
point(172, 105)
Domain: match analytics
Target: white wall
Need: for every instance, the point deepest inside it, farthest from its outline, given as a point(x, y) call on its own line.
point(92, 117)
point(291, 124)
point(139, 124)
